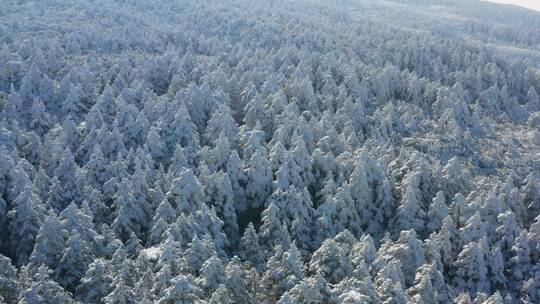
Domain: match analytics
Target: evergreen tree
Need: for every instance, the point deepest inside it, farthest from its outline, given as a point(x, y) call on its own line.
point(220, 195)
point(307, 291)
point(221, 296)
point(222, 121)
point(67, 173)
point(197, 253)
point(259, 179)
point(272, 232)
point(121, 294)
point(471, 269)
point(283, 271)
point(182, 290)
point(129, 216)
point(533, 102)
point(212, 275)
point(186, 192)
point(80, 221)
point(438, 211)
point(520, 262)
point(410, 214)
point(96, 283)
point(42, 289)
point(49, 243)
point(25, 220)
point(331, 262)
point(73, 105)
point(250, 247)
point(183, 132)
point(96, 169)
point(9, 284)
point(74, 262)
point(155, 146)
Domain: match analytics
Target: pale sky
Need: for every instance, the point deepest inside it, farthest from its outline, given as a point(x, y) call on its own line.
point(532, 4)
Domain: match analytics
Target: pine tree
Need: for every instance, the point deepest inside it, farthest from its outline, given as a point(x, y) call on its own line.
point(129, 217)
point(219, 155)
point(162, 279)
point(235, 171)
point(100, 211)
point(19, 180)
point(182, 290)
point(471, 269)
point(296, 212)
point(76, 220)
point(143, 287)
point(533, 102)
point(520, 262)
point(74, 262)
point(252, 140)
point(140, 189)
point(121, 294)
point(385, 202)
point(330, 262)
point(410, 214)
point(507, 231)
point(222, 121)
point(9, 283)
point(40, 120)
point(186, 192)
point(250, 249)
point(195, 256)
point(496, 268)
point(389, 283)
point(259, 179)
point(474, 229)
point(220, 195)
point(96, 283)
point(88, 142)
point(112, 143)
point(211, 275)
point(183, 132)
point(43, 289)
point(155, 146)
point(73, 105)
point(25, 219)
point(272, 232)
point(241, 281)
point(221, 295)
point(307, 291)
point(164, 216)
point(408, 249)
point(430, 285)
point(49, 243)
point(106, 104)
point(438, 211)
point(255, 112)
point(283, 271)
point(178, 161)
point(96, 169)
point(531, 191)
point(67, 172)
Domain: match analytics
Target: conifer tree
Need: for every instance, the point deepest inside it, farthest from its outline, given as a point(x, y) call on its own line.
point(25, 220)
point(49, 243)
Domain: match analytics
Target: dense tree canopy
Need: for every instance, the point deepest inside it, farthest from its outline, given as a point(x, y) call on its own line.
point(235, 151)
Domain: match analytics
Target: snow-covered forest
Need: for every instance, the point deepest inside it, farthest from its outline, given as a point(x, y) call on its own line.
point(269, 151)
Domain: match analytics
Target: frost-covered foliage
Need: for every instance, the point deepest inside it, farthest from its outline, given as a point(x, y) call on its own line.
point(239, 151)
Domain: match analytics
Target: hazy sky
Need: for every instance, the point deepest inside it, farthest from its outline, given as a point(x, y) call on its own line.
point(532, 4)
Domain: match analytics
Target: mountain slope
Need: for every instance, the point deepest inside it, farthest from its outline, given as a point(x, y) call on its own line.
point(235, 151)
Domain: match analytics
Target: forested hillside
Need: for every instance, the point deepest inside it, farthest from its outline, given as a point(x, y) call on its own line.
point(269, 151)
